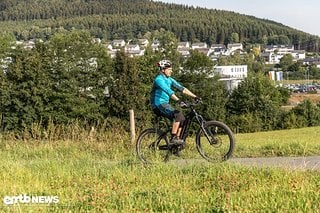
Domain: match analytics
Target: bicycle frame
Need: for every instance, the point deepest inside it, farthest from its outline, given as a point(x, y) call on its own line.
point(186, 126)
point(187, 123)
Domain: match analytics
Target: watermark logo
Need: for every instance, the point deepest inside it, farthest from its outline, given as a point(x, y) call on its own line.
point(30, 199)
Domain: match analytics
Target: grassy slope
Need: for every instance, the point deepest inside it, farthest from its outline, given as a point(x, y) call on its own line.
point(87, 177)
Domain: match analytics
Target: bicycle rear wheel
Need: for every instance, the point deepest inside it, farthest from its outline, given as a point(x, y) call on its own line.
point(217, 143)
point(152, 146)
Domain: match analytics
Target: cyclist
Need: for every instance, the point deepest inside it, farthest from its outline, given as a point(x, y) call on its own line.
point(162, 92)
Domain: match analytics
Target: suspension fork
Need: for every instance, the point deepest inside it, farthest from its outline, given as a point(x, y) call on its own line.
point(201, 122)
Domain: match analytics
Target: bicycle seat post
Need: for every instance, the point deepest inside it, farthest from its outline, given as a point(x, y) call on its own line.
point(156, 122)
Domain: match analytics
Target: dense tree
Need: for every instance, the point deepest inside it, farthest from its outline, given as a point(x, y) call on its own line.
point(80, 73)
point(126, 90)
point(198, 63)
point(210, 90)
point(27, 90)
point(197, 75)
point(59, 81)
point(286, 61)
point(255, 99)
point(307, 113)
point(234, 38)
point(168, 44)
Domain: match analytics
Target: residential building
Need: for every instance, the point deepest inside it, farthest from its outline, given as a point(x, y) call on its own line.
point(133, 50)
point(143, 42)
point(199, 45)
point(279, 48)
point(234, 47)
point(274, 53)
point(184, 51)
point(232, 71)
point(155, 45)
point(272, 58)
point(118, 43)
point(232, 75)
point(312, 61)
point(298, 54)
point(218, 49)
point(184, 45)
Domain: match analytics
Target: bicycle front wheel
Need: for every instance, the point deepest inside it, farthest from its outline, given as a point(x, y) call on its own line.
point(215, 142)
point(152, 146)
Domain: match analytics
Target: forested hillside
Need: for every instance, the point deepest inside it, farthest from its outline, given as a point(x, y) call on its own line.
point(127, 19)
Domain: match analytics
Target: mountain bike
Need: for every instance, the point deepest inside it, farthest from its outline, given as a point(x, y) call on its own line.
point(214, 140)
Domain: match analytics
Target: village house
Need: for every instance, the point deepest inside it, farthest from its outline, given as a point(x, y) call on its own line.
point(118, 43)
point(274, 53)
point(184, 44)
point(199, 45)
point(279, 48)
point(184, 49)
point(234, 47)
point(218, 49)
point(133, 50)
point(143, 42)
point(155, 45)
point(312, 61)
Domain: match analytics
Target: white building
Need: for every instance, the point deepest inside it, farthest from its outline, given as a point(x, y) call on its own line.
point(184, 51)
point(143, 42)
point(279, 48)
point(232, 75)
point(234, 47)
point(155, 45)
point(199, 45)
point(184, 45)
point(274, 53)
point(232, 71)
point(218, 49)
point(118, 43)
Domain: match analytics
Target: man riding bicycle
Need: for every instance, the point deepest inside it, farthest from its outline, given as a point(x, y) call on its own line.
point(162, 92)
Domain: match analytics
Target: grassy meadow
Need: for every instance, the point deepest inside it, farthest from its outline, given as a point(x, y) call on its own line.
point(93, 175)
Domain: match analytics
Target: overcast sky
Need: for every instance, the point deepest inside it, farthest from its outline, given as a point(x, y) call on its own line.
point(301, 15)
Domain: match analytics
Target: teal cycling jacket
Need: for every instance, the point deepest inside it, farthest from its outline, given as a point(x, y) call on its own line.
point(162, 90)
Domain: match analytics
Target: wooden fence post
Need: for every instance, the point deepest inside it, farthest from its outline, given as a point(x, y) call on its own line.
point(132, 126)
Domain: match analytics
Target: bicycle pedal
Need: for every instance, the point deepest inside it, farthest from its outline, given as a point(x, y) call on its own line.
point(164, 147)
point(177, 154)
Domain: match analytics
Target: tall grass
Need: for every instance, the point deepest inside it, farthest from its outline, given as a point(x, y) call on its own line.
point(90, 185)
point(293, 142)
point(95, 175)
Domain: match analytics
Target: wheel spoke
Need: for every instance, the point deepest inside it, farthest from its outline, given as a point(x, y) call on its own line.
point(152, 147)
point(217, 143)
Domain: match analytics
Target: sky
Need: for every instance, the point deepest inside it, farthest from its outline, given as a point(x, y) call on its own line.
point(300, 15)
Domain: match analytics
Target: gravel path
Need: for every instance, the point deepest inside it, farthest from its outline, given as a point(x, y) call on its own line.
point(299, 163)
point(311, 163)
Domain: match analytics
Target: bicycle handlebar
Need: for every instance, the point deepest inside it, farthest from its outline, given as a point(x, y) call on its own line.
point(190, 104)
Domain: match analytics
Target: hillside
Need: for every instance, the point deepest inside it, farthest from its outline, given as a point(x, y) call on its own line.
point(111, 19)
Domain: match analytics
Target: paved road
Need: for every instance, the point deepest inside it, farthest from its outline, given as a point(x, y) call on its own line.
point(300, 163)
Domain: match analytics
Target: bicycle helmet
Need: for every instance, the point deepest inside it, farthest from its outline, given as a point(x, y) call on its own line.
point(163, 64)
